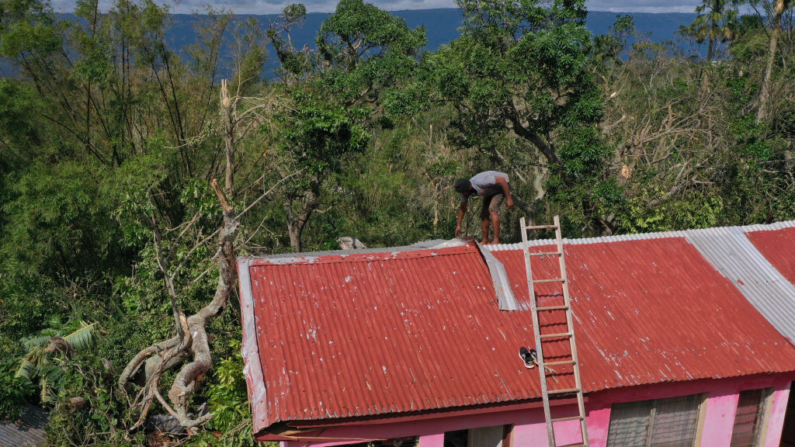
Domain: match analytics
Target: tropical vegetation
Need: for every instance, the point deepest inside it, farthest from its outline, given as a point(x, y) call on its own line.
point(134, 173)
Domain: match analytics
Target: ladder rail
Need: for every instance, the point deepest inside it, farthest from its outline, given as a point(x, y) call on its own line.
point(537, 333)
point(573, 338)
point(569, 334)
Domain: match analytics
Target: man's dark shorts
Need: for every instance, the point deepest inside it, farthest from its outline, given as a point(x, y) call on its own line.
point(491, 203)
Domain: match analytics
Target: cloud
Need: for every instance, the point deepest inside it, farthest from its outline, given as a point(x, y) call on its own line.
point(656, 6)
point(276, 6)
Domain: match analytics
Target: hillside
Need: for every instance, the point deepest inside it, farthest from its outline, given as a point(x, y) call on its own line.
point(441, 24)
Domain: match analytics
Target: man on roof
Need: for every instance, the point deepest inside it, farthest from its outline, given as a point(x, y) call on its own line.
point(493, 187)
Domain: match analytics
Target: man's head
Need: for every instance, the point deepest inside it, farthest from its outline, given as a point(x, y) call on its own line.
point(462, 185)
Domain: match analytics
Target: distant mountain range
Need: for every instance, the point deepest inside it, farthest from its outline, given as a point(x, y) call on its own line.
point(441, 25)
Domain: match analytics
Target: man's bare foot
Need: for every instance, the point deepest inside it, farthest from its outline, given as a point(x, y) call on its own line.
point(484, 242)
point(495, 242)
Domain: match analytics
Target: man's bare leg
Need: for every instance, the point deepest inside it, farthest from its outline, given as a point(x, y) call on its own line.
point(495, 220)
point(485, 224)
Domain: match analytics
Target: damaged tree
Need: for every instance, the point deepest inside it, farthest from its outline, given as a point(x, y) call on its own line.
point(190, 339)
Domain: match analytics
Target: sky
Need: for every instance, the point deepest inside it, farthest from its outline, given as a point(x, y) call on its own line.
point(276, 6)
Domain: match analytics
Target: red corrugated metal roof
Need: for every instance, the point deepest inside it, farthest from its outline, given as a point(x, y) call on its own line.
point(777, 246)
point(386, 333)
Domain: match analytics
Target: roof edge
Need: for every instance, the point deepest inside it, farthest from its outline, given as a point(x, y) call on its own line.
point(252, 369)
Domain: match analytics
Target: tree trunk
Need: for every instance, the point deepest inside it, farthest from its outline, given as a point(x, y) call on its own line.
point(229, 140)
point(297, 220)
point(764, 97)
point(710, 50)
point(295, 228)
point(705, 73)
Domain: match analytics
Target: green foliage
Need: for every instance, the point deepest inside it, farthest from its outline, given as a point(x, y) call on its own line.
point(94, 421)
point(607, 48)
point(14, 391)
point(231, 423)
point(367, 50)
point(107, 134)
point(689, 211)
point(47, 352)
point(321, 135)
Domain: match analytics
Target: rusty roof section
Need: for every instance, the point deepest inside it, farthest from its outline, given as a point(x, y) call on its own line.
point(344, 335)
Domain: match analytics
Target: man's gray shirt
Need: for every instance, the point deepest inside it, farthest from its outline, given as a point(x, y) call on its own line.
point(485, 184)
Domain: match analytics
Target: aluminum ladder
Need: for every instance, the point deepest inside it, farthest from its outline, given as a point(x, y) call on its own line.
point(547, 337)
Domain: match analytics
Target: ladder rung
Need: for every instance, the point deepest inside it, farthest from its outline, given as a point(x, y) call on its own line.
point(548, 253)
point(540, 227)
point(566, 391)
point(561, 335)
point(570, 418)
point(542, 309)
point(549, 280)
point(567, 362)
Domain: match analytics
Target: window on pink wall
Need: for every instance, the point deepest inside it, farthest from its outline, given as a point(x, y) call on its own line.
point(400, 442)
point(748, 419)
point(497, 436)
point(659, 423)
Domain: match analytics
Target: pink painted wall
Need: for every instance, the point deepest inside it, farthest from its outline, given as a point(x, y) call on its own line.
point(779, 410)
point(530, 429)
point(436, 440)
point(722, 400)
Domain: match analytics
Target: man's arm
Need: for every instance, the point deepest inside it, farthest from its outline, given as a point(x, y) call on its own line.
point(462, 210)
point(506, 189)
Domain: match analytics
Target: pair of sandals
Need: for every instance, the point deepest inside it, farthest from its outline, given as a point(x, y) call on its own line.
point(529, 357)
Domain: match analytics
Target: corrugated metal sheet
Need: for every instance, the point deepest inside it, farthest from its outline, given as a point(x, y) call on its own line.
point(737, 257)
point(386, 333)
point(500, 280)
point(778, 246)
point(649, 311)
point(28, 431)
point(382, 333)
point(733, 254)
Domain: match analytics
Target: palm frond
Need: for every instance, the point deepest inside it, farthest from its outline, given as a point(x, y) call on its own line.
point(31, 343)
point(26, 369)
point(54, 374)
point(82, 338)
point(46, 392)
point(51, 378)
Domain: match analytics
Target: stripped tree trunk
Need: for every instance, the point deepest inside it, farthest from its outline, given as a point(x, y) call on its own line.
point(764, 97)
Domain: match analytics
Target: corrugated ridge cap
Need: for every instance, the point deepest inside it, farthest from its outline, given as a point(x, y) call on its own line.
point(286, 258)
point(643, 236)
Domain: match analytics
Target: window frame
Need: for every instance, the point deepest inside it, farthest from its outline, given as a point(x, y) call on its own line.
point(765, 408)
point(699, 414)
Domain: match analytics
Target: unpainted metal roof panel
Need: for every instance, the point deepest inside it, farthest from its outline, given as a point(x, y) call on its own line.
point(736, 257)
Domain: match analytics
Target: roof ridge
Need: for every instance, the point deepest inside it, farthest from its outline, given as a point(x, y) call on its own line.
point(645, 236)
point(354, 256)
